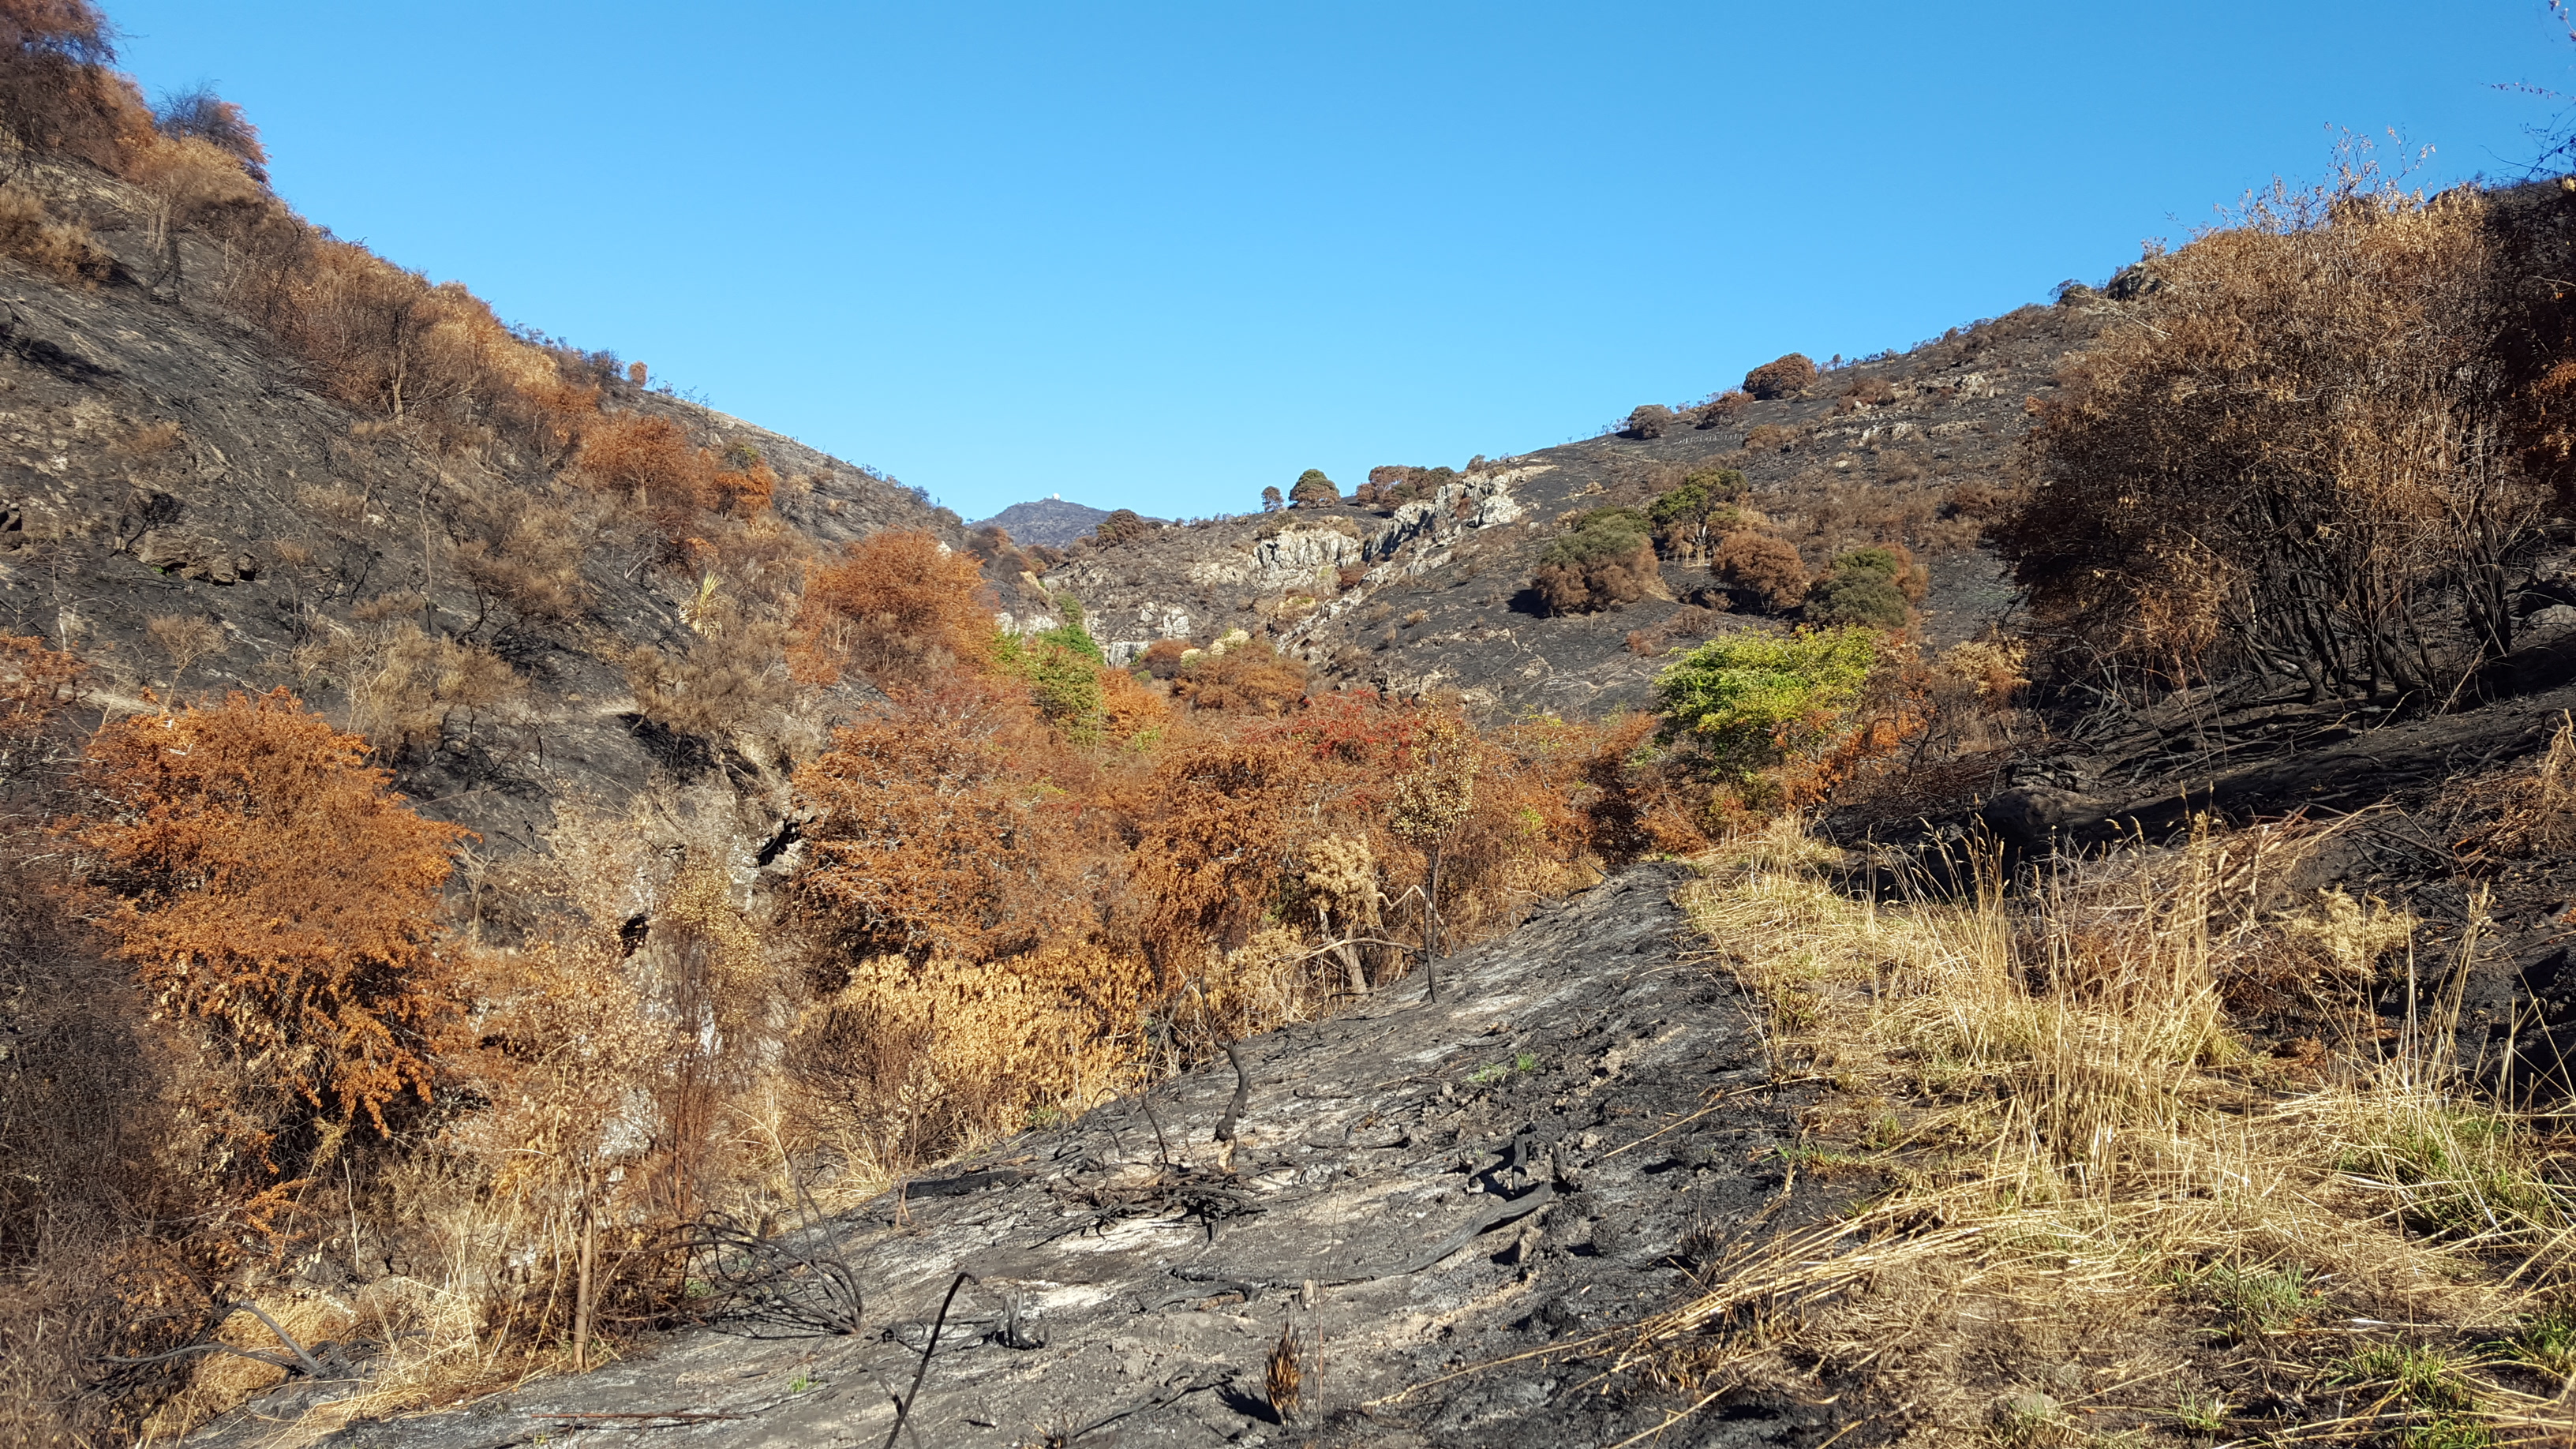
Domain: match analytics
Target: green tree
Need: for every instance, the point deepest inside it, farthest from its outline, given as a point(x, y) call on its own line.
point(1314, 490)
point(1689, 520)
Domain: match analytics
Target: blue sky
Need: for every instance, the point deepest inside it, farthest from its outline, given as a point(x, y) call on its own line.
point(1161, 255)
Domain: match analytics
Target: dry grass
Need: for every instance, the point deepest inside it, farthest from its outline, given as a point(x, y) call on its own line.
point(2107, 1216)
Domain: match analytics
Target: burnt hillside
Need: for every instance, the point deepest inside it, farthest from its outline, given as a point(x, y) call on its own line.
point(1433, 595)
point(188, 510)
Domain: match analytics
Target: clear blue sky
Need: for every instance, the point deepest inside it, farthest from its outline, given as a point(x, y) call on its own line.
point(1162, 255)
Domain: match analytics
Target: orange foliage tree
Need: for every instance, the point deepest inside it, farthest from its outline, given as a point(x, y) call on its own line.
point(1221, 821)
point(260, 878)
point(934, 837)
point(899, 607)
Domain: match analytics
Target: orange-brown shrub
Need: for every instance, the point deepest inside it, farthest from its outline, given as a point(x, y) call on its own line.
point(1720, 408)
point(648, 459)
point(1782, 377)
point(1763, 567)
point(63, 249)
point(937, 835)
point(899, 607)
point(2198, 513)
point(1219, 832)
point(57, 94)
point(1251, 678)
point(1162, 658)
point(262, 881)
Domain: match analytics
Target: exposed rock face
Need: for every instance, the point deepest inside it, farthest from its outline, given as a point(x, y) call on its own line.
point(1435, 596)
point(1418, 1188)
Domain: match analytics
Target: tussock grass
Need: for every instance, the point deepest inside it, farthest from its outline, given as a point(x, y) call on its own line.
point(2102, 1197)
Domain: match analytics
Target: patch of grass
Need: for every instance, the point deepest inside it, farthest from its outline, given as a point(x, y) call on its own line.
point(2545, 1339)
point(2267, 1300)
point(2423, 1384)
point(2200, 1413)
point(2031, 1421)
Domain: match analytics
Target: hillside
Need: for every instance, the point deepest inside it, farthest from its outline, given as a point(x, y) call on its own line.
point(1435, 595)
point(189, 512)
point(2017, 892)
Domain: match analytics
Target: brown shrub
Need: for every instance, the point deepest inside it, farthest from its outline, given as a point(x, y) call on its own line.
point(1249, 678)
point(1124, 525)
point(733, 676)
point(1871, 391)
point(1720, 408)
point(1648, 421)
point(200, 114)
point(57, 95)
point(511, 552)
point(1162, 658)
point(1763, 567)
point(1768, 438)
point(934, 837)
point(404, 688)
point(61, 249)
point(2199, 513)
point(899, 607)
point(1608, 560)
point(1782, 377)
point(649, 459)
point(192, 182)
point(1218, 840)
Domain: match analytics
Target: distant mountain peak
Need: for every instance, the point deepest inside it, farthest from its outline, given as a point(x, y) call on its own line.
point(1050, 520)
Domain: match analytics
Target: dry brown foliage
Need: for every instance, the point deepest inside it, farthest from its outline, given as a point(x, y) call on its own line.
point(57, 94)
point(934, 836)
point(2291, 457)
point(899, 608)
point(1764, 567)
point(1782, 377)
point(63, 249)
point(2087, 1165)
point(1162, 658)
point(402, 688)
point(1251, 678)
point(259, 878)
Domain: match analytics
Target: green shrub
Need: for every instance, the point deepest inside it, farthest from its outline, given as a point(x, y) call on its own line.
point(1749, 698)
point(1688, 520)
point(1872, 586)
point(1857, 598)
point(1608, 558)
point(1061, 667)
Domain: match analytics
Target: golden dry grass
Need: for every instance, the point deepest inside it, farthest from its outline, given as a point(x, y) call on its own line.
point(2106, 1215)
